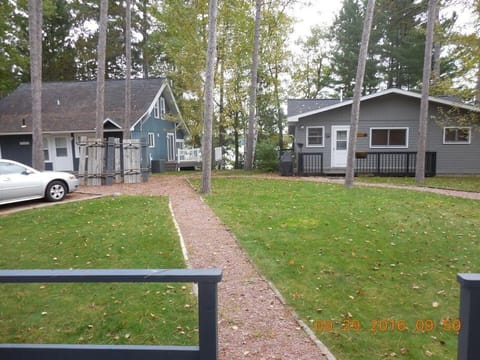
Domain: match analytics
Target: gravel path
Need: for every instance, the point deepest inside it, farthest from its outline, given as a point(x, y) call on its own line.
point(254, 323)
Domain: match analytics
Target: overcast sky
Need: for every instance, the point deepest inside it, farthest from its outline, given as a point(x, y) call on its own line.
point(322, 12)
point(318, 12)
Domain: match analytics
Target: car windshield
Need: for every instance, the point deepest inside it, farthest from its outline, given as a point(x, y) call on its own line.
point(9, 168)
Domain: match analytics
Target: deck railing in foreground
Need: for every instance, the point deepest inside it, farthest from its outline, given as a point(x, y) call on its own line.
point(468, 344)
point(207, 280)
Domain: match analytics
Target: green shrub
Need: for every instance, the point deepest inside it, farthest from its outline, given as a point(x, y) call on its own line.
point(266, 157)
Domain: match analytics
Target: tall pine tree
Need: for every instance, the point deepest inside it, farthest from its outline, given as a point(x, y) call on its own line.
point(347, 32)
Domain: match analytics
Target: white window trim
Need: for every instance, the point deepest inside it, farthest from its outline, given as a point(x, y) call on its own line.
point(323, 137)
point(163, 109)
point(151, 140)
point(458, 142)
point(46, 147)
point(390, 146)
point(156, 110)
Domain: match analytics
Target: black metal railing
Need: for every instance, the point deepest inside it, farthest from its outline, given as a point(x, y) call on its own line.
point(393, 163)
point(371, 163)
point(206, 279)
point(310, 164)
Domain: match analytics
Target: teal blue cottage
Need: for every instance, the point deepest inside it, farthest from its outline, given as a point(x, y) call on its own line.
point(69, 112)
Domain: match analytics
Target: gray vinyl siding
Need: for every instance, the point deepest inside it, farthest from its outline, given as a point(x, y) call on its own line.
point(394, 110)
point(454, 158)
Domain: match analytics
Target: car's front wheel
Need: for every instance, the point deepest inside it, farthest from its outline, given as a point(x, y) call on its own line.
point(56, 191)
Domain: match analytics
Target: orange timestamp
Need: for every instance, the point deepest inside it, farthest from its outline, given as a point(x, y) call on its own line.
point(388, 325)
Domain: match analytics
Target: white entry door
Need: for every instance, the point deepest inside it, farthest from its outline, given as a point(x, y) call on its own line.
point(339, 145)
point(61, 153)
point(170, 146)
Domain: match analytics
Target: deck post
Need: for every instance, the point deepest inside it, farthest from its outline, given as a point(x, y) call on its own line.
point(468, 344)
point(207, 320)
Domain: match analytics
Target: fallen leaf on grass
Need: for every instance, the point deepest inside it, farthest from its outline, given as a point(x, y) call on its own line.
point(296, 296)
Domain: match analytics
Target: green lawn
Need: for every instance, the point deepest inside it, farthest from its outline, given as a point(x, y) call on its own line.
point(462, 183)
point(371, 270)
point(115, 232)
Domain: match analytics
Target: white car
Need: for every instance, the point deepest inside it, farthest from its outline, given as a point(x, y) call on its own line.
point(19, 182)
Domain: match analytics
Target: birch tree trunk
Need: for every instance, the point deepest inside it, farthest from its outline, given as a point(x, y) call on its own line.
point(477, 89)
point(427, 70)
point(128, 70)
point(101, 55)
point(252, 121)
point(206, 183)
point(35, 39)
point(437, 46)
point(357, 93)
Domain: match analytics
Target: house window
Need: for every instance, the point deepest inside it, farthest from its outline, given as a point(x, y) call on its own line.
point(162, 106)
point(151, 140)
point(389, 137)
point(61, 147)
point(315, 136)
point(456, 135)
point(156, 110)
point(159, 108)
point(46, 153)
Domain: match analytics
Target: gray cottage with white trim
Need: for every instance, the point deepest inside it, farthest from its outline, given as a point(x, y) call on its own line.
point(388, 130)
point(69, 111)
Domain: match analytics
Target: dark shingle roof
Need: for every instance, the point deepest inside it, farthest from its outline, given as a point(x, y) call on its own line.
point(300, 106)
point(71, 106)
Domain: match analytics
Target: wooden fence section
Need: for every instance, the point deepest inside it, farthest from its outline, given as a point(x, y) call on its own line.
point(207, 348)
point(95, 151)
point(132, 170)
point(106, 162)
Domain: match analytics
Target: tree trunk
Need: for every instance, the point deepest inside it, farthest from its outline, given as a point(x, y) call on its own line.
point(236, 136)
point(144, 31)
point(252, 121)
point(355, 115)
point(101, 55)
point(477, 90)
point(128, 70)
point(437, 46)
point(206, 183)
point(427, 70)
point(35, 38)
point(222, 132)
point(274, 73)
